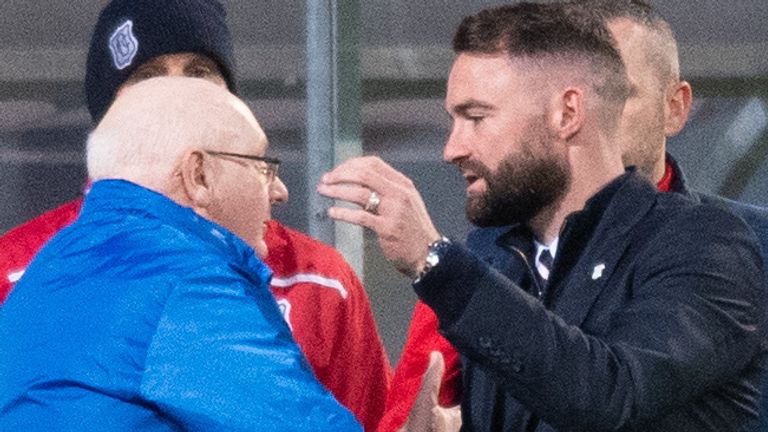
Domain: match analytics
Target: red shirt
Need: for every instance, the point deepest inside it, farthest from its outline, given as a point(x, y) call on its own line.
point(329, 313)
point(423, 338)
point(320, 296)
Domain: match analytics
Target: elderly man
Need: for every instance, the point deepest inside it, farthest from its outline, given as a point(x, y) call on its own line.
point(657, 108)
point(319, 294)
point(153, 311)
point(612, 306)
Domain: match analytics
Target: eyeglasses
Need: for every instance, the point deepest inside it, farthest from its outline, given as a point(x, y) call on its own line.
point(270, 170)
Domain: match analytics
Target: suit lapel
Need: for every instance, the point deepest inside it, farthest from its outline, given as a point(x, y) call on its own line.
point(576, 294)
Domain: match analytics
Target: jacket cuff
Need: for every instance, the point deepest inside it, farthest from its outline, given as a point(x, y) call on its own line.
point(449, 286)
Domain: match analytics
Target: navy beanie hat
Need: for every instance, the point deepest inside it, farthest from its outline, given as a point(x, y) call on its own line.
point(131, 32)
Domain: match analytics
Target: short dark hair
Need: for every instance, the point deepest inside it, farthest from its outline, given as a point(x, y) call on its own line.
point(548, 31)
point(642, 13)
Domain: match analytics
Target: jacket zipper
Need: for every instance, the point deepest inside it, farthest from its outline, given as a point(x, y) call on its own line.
point(537, 285)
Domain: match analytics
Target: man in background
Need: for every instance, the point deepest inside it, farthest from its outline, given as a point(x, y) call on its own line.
point(321, 298)
point(657, 109)
point(152, 311)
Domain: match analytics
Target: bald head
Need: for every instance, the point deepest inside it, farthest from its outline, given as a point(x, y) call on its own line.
point(660, 102)
point(153, 123)
point(197, 144)
point(660, 47)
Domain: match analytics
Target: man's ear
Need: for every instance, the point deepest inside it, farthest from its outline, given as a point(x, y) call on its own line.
point(568, 113)
point(195, 179)
point(678, 107)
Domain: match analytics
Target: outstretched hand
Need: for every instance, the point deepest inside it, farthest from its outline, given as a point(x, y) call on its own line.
point(400, 218)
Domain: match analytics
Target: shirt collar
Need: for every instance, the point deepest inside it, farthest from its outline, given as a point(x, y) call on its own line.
point(665, 184)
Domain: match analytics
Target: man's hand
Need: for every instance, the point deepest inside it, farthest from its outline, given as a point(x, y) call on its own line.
point(401, 220)
point(426, 414)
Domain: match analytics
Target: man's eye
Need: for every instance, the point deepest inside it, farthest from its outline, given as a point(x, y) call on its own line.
point(142, 74)
point(200, 72)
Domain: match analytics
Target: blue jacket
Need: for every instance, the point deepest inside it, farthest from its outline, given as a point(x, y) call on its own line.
point(144, 316)
point(653, 319)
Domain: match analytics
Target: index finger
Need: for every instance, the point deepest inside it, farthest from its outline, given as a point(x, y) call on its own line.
point(350, 171)
point(368, 171)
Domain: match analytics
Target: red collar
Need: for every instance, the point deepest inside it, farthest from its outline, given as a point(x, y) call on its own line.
point(665, 184)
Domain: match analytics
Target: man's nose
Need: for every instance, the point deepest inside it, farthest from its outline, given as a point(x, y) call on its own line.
point(278, 192)
point(455, 149)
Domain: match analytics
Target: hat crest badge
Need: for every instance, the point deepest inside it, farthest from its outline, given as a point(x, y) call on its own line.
point(124, 45)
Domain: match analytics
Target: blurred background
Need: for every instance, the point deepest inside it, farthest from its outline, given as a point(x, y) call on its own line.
point(330, 79)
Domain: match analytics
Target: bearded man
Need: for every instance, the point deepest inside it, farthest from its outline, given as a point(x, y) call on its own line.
point(605, 304)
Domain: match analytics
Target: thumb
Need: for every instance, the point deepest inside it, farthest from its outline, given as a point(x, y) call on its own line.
point(420, 418)
point(433, 377)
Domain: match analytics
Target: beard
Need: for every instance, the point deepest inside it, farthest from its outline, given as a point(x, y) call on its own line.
point(524, 184)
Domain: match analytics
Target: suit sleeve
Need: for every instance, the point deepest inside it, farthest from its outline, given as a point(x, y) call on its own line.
point(423, 338)
point(692, 319)
point(223, 358)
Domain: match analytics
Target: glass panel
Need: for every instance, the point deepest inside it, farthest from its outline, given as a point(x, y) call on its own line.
point(405, 55)
point(722, 148)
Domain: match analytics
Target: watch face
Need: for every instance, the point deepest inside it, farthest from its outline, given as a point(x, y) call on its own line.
point(434, 252)
point(433, 258)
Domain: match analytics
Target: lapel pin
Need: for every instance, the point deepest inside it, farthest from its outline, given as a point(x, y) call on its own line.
point(597, 272)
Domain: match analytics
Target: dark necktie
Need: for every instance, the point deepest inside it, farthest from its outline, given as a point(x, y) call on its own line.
point(546, 260)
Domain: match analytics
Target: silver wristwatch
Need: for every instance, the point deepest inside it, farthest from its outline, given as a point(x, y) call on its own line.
point(435, 252)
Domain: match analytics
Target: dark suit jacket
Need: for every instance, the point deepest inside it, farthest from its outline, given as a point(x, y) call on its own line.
point(757, 219)
point(653, 320)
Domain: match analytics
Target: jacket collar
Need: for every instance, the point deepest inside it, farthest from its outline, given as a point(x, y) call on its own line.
point(614, 213)
point(598, 235)
point(581, 224)
point(127, 198)
point(679, 181)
